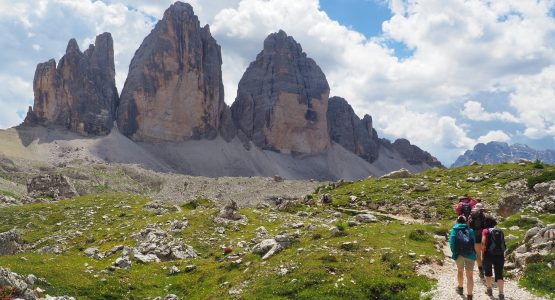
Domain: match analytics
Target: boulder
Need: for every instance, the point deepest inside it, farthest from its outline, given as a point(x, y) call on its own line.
point(154, 242)
point(80, 93)
point(230, 214)
point(282, 99)
point(421, 187)
point(402, 173)
point(366, 218)
point(174, 89)
point(56, 187)
point(10, 242)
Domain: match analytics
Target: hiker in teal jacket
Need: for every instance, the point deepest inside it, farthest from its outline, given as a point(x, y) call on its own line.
point(467, 256)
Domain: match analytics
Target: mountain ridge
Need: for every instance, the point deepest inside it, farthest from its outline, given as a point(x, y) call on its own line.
point(174, 94)
point(497, 152)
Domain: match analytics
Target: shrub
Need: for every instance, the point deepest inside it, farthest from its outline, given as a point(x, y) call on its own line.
point(544, 177)
point(419, 235)
point(340, 225)
point(538, 164)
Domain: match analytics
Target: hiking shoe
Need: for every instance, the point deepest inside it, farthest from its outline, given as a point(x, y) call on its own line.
point(459, 290)
point(501, 297)
point(489, 292)
point(468, 297)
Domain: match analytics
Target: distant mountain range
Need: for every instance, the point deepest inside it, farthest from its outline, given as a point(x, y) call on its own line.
point(496, 152)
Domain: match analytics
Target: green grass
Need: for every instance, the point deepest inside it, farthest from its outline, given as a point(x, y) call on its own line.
point(317, 267)
point(543, 177)
point(9, 194)
point(444, 184)
point(540, 278)
point(359, 273)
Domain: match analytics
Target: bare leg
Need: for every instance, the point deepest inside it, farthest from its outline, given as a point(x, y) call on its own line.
point(489, 282)
point(500, 286)
point(478, 248)
point(469, 282)
point(460, 277)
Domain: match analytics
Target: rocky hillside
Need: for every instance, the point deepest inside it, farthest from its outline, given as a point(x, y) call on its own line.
point(172, 110)
point(373, 238)
point(497, 152)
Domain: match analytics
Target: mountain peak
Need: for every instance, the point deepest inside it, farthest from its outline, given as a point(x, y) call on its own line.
point(497, 152)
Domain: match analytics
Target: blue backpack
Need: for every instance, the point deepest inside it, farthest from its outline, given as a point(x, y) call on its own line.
point(463, 242)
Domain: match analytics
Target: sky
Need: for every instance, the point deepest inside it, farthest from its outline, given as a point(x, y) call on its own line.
point(445, 74)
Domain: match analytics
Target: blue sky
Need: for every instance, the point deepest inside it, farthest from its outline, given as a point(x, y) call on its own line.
point(364, 16)
point(445, 74)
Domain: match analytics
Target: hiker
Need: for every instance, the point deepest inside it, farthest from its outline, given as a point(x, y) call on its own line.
point(461, 241)
point(465, 206)
point(477, 223)
point(493, 247)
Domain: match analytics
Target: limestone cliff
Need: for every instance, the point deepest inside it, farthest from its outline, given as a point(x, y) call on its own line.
point(282, 99)
point(80, 93)
point(349, 131)
point(174, 90)
point(359, 137)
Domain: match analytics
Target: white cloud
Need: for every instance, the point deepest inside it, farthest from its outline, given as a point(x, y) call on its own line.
point(460, 48)
point(494, 136)
point(15, 89)
point(534, 99)
point(474, 111)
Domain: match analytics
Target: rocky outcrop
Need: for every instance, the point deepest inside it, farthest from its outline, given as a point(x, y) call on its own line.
point(19, 287)
point(413, 154)
point(517, 197)
point(80, 93)
point(349, 131)
point(174, 90)
point(56, 187)
point(359, 137)
point(10, 242)
point(497, 152)
point(282, 99)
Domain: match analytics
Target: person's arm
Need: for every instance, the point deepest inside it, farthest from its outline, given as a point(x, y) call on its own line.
point(459, 208)
point(484, 240)
point(452, 241)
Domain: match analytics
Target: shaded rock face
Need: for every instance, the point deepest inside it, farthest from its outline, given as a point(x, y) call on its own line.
point(349, 131)
point(282, 99)
point(53, 186)
point(174, 90)
point(80, 92)
point(413, 154)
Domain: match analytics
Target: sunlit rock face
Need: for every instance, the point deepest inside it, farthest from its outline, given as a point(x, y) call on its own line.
point(80, 92)
point(174, 90)
point(282, 99)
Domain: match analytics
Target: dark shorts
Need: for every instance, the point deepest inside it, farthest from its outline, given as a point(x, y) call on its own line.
point(497, 262)
point(478, 237)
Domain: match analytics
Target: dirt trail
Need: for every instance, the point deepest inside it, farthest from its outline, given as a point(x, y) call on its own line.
point(447, 281)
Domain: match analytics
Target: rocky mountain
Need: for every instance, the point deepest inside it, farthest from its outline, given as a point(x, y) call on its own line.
point(496, 152)
point(174, 90)
point(80, 93)
point(173, 116)
point(282, 99)
point(359, 137)
point(348, 130)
